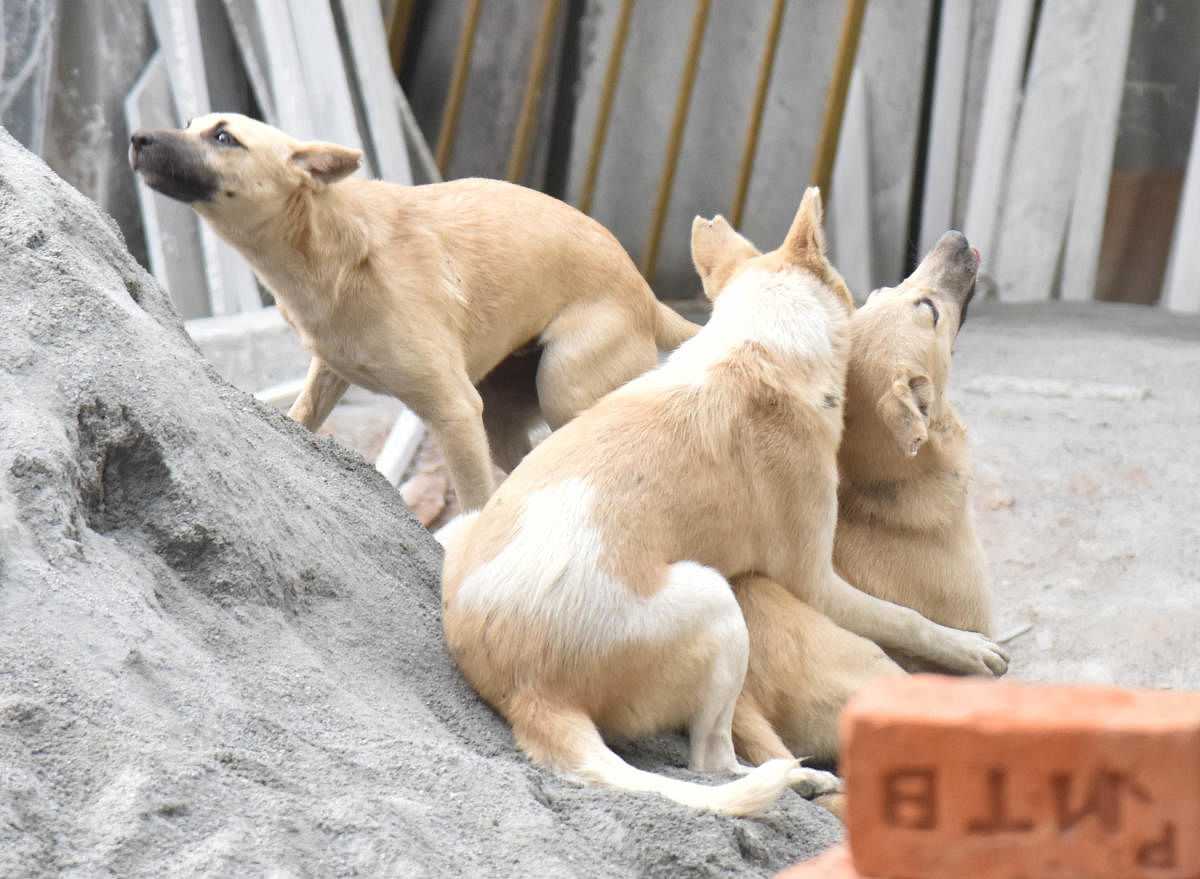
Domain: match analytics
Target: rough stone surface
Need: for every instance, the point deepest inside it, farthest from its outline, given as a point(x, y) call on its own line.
point(220, 650)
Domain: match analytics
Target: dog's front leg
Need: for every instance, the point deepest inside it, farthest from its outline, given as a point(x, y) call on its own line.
point(322, 389)
point(456, 418)
point(895, 627)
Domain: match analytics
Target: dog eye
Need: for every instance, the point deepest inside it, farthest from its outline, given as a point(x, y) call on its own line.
point(225, 138)
point(927, 301)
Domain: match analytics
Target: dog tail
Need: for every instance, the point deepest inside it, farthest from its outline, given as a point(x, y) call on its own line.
point(671, 329)
point(567, 740)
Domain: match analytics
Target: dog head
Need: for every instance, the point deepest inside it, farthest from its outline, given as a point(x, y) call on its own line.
point(720, 253)
point(235, 171)
point(902, 340)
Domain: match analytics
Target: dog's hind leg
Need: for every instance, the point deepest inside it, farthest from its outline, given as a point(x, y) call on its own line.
point(710, 731)
point(322, 389)
point(586, 353)
point(510, 408)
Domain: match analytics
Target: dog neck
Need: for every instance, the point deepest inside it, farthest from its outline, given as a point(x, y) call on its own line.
point(793, 324)
point(301, 252)
point(877, 481)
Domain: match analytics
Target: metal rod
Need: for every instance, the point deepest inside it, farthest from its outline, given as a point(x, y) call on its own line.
point(399, 20)
point(458, 83)
point(746, 168)
point(675, 141)
point(533, 91)
point(835, 103)
point(612, 73)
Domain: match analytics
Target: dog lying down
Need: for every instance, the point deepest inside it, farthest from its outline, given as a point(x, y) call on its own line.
point(592, 592)
point(905, 531)
point(486, 307)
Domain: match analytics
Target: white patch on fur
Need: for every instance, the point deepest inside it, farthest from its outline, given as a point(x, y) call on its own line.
point(550, 574)
point(779, 310)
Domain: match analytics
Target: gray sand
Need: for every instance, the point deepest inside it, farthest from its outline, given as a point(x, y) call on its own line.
point(220, 651)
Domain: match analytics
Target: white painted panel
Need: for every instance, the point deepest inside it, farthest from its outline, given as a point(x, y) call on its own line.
point(945, 124)
point(1044, 170)
point(1000, 100)
point(373, 70)
point(1181, 288)
point(1096, 150)
point(849, 220)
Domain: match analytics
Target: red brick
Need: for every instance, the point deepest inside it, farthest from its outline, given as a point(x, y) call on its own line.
point(834, 863)
point(949, 778)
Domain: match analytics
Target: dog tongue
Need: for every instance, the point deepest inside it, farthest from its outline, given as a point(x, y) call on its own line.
point(975, 250)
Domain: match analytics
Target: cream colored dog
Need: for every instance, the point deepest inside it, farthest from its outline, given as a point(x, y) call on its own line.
point(592, 592)
point(905, 531)
point(423, 292)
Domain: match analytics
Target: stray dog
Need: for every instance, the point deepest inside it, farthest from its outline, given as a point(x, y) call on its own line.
point(592, 592)
point(905, 531)
point(459, 298)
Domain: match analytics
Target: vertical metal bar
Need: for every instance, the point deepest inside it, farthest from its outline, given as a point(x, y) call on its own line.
point(399, 20)
point(533, 91)
point(600, 132)
point(458, 83)
point(766, 65)
point(675, 141)
point(835, 103)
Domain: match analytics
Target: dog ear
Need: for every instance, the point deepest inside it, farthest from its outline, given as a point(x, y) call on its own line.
point(325, 162)
point(717, 250)
point(905, 411)
point(806, 238)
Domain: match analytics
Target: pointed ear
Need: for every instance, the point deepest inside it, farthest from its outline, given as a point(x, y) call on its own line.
point(325, 162)
point(806, 239)
point(905, 411)
point(717, 251)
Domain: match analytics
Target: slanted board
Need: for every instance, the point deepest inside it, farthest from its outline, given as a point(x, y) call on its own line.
point(1067, 62)
point(850, 197)
point(324, 84)
point(1000, 98)
point(373, 71)
point(1181, 288)
point(247, 33)
point(172, 228)
point(28, 47)
point(1096, 148)
point(418, 147)
point(231, 283)
point(945, 124)
point(284, 70)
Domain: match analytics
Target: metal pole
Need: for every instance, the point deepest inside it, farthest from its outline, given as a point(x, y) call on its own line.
point(458, 83)
point(835, 104)
point(675, 141)
point(611, 74)
point(756, 112)
point(533, 91)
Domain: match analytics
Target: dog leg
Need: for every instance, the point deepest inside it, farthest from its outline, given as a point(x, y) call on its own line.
point(456, 418)
point(758, 742)
point(322, 389)
point(892, 626)
point(754, 737)
point(587, 353)
point(710, 731)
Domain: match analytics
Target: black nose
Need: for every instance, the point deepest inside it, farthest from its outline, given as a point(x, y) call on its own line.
point(141, 139)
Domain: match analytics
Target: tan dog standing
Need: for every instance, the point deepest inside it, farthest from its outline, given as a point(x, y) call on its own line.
point(592, 592)
point(422, 291)
point(905, 531)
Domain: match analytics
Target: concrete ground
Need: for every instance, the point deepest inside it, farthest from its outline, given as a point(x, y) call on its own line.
point(1084, 423)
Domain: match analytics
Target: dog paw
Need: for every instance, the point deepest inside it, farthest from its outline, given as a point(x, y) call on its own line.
point(973, 654)
point(812, 783)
